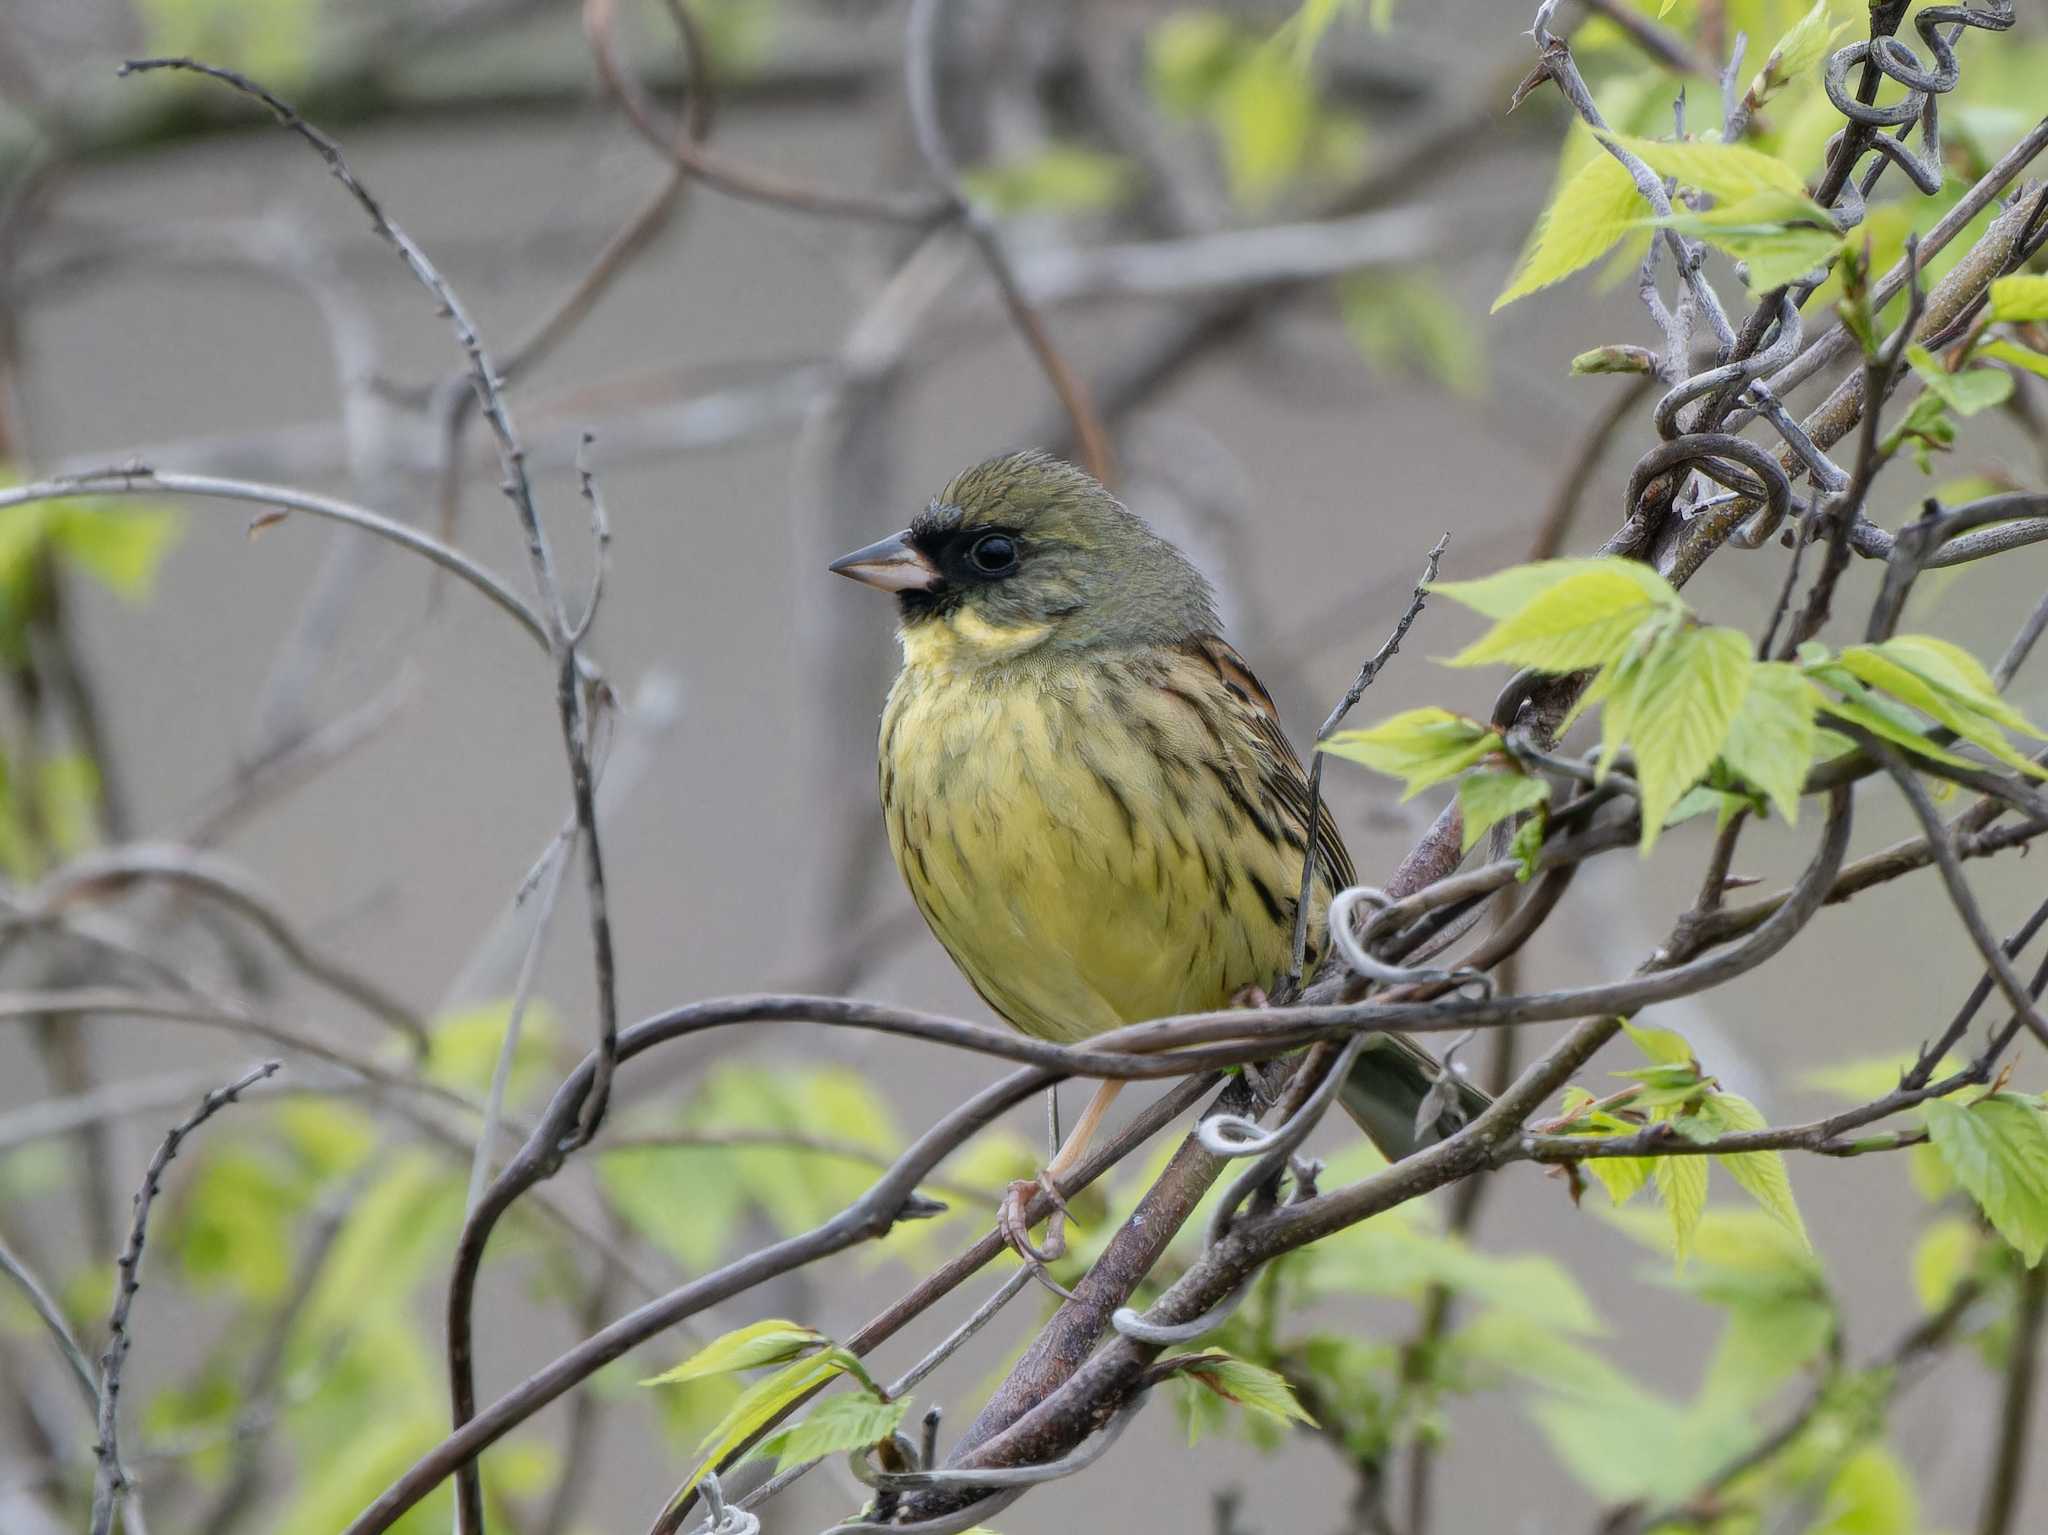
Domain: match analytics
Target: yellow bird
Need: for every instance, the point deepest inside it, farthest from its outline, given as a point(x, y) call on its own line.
point(1087, 790)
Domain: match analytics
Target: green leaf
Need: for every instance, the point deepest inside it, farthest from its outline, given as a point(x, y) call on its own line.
point(1998, 1150)
point(1810, 39)
point(122, 546)
point(1943, 1258)
point(2011, 351)
point(1726, 172)
point(1059, 178)
point(1761, 1174)
point(1593, 210)
point(745, 1348)
point(1506, 592)
point(1664, 1046)
point(2022, 296)
point(1961, 675)
point(1622, 1177)
point(849, 1422)
point(1872, 1494)
point(1967, 713)
point(762, 1401)
point(1487, 798)
point(1265, 118)
point(1685, 702)
point(1588, 619)
point(1251, 1386)
point(1682, 1185)
point(1965, 393)
point(1772, 737)
point(1858, 710)
point(1413, 321)
point(1524, 849)
point(1423, 746)
point(1779, 236)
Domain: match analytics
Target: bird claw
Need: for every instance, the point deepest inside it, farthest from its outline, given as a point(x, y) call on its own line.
point(1013, 1222)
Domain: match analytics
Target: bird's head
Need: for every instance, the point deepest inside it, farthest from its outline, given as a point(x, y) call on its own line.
point(1024, 553)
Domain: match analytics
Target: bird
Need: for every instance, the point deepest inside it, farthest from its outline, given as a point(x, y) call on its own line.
point(1090, 795)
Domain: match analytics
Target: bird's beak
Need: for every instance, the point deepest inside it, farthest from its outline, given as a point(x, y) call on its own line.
point(891, 565)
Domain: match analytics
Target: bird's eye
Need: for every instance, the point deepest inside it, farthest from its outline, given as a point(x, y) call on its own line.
point(994, 554)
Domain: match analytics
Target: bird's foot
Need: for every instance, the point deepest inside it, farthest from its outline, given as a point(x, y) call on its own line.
point(1013, 1221)
point(1250, 996)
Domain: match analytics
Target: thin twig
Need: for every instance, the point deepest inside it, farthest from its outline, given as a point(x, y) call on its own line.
point(110, 1482)
point(1298, 950)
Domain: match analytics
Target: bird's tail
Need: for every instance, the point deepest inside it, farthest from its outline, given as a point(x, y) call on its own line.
point(1404, 1098)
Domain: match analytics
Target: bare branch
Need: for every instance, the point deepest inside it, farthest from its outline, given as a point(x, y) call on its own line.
point(110, 1484)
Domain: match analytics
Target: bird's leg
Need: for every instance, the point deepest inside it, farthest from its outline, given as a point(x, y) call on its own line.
point(1011, 1219)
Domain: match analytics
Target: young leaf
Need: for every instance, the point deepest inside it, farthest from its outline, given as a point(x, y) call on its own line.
point(762, 1401)
point(1771, 739)
point(1487, 798)
point(1620, 1176)
point(2022, 296)
point(1943, 1258)
point(1775, 251)
point(1507, 592)
point(1524, 849)
point(1965, 393)
point(1966, 713)
point(2011, 351)
point(1682, 1185)
point(841, 1423)
point(1858, 708)
point(1251, 1386)
point(1809, 40)
point(745, 1348)
point(1955, 671)
point(1728, 173)
point(1761, 1173)
point(1664, 1046)
point(1998, 1150)
point(1593, 210)
point(1689, 694)
point(1423, 746)
point(1588, 619)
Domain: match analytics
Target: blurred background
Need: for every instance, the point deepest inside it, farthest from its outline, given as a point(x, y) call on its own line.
point(1305, 410)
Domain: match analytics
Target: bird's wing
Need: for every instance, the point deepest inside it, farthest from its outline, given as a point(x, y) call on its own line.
point(1279, 769)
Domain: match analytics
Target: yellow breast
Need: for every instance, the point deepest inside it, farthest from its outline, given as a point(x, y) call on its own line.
point(1077, 834)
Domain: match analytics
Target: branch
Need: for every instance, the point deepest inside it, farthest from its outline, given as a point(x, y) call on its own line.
point(2015, 1411)
point(110, 1483)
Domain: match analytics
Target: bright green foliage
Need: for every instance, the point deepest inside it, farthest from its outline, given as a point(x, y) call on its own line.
point(770, 1396)
point(1926, 425)
point(1780, 236)
point(1684, 698)
point(762, 1343)
point(1058, 178)
point(1252, 1387)
point(1761, 1173)
point(2012, 352)
point(1423, 746)
point(1590, 214)
point(1938, 679)
point(1812, 38)
point(1771, 738)
point(1997, 1148)
point(839, 1424)
point(2023, 296)
point(1563, 615)
point(1728, 173)
point(118, 545)
point(1489, 797)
